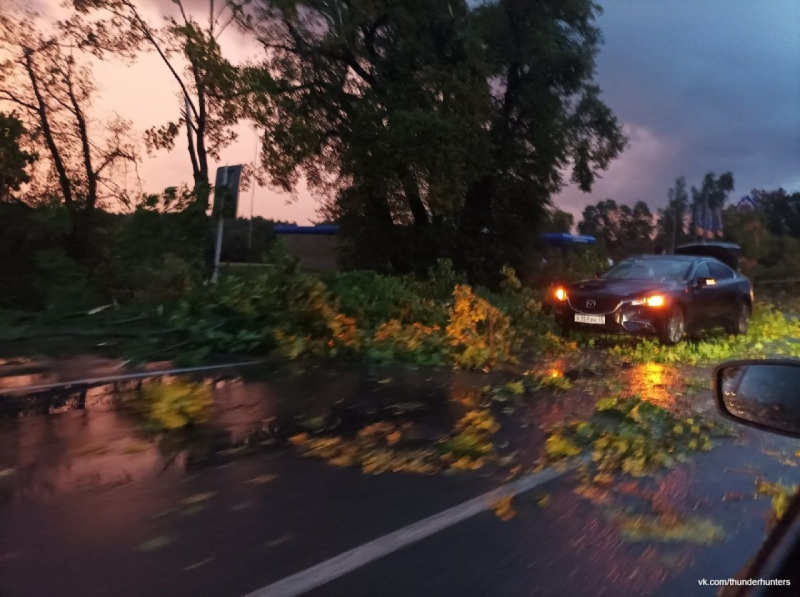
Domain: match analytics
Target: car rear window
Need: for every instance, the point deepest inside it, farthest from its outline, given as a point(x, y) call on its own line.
point(702, 271)
point(720, 271)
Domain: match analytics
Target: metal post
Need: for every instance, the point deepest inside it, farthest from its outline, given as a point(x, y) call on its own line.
point(220, 205)
point(252, 199)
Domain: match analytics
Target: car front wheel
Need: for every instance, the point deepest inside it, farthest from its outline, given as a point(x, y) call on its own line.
point(674, 326)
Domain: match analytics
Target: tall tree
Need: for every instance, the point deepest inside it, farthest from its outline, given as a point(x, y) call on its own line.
point(209, 91)
point(710, 198)
point(560, 221)
point(14, 160)
point(548, 120)
point(189, 49)
point(636, 224)
point(86, 158)
point(602, 222)
point(452, 121)
point(621, 228)
point(781, 211)
point(672, 219)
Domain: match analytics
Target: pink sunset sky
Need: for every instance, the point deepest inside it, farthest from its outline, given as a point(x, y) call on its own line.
point(665, 70)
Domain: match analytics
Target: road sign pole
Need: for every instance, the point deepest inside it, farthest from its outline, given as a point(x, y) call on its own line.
point(252, 199)
point(219, 204)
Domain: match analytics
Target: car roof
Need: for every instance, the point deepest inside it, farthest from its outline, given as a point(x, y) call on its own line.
point(686, 258)
point(683, 258)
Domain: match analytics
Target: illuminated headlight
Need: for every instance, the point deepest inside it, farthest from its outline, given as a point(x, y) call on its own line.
point(561, 294)
point(656, 300)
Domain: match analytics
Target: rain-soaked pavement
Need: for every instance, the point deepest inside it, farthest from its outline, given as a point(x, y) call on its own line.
point(93, 501)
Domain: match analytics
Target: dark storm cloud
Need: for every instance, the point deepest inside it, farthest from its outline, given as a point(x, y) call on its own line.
point(700, 85)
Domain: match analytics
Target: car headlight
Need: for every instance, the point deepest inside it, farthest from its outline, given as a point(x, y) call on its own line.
point(561, 294)
point(657, 300)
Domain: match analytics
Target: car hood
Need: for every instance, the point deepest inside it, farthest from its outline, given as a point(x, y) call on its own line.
point(617, 289)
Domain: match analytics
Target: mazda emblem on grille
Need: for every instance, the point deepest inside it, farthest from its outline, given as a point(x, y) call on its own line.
point(591, 304)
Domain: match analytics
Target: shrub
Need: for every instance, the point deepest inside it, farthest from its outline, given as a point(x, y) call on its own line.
point(373, 299)
point(282, 310)
point(416, 343)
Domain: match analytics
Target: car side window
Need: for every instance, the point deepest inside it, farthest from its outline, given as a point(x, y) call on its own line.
point(720, 272)
point(702, 271)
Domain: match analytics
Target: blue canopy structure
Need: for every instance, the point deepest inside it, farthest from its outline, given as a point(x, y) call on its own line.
point(562, 238)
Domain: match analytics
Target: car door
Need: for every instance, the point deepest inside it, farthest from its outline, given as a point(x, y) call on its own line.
point(700, 309)
point(726, 292)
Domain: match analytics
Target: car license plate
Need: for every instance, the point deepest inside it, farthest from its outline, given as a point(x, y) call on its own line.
point(595, 319)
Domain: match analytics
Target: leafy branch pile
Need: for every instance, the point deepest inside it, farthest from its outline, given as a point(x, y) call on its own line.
point(392, 447)
point(374, 449)
point(295, 314)
point(631, 436)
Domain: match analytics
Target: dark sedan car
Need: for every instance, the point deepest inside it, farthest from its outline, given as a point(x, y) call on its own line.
point(662, 295)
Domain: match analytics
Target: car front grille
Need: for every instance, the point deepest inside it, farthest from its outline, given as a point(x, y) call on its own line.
point(589, 304)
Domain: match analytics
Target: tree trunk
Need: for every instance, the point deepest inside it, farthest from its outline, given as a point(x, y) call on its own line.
point(58, 162)
point(424, 252)
point(195, 136)
point(85, 228)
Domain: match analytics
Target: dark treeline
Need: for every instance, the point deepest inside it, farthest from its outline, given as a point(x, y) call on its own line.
point(427, 129)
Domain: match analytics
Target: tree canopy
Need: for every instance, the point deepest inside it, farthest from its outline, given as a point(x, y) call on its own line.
point(14, 160)
point(84, 160)
point(621, 228)
point(440, 128)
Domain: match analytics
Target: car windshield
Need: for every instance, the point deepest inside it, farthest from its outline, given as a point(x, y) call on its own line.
point(648, 269)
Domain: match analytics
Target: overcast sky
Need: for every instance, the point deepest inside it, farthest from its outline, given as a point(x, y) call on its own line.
point(700, 85)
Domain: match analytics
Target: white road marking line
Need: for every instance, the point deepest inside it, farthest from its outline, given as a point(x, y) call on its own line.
point(326, 571)
point(126, 376)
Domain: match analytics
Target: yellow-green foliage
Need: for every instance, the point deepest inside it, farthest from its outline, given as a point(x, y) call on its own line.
point(417, 343)
point(771, 333)
point(631, 436)
point(781, 496)
point(552, 380)
point(668, 528)
point(295, 314)
point(479, 333)
point(472, 438)
point(174, 405)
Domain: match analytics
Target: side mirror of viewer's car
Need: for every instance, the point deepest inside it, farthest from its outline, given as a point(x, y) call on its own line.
point(765, 395)
point(761, 394)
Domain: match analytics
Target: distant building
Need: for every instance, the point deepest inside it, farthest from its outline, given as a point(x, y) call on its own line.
point(317, 247)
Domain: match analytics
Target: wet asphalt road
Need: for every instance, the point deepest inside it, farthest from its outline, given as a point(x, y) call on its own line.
point(90, 507)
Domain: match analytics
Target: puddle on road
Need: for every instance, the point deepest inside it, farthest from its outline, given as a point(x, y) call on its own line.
point(100, 436)
point(103, 436)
